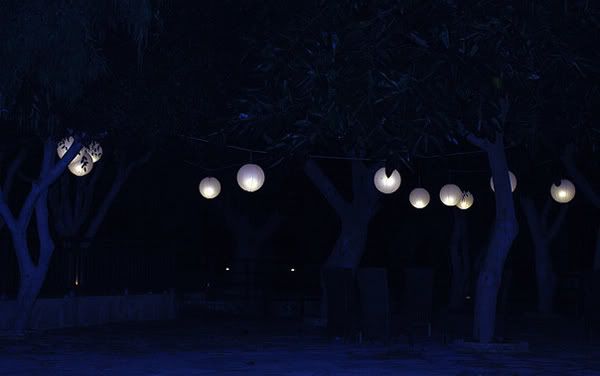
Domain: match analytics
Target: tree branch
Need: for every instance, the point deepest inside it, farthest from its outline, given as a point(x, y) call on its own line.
point(325, 186)
point(558, 221)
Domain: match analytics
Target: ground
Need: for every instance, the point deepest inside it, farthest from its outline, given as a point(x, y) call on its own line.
point(235, 347)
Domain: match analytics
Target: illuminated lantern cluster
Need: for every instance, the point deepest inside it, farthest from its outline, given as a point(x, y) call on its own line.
point(83, 163)
point(250, 177)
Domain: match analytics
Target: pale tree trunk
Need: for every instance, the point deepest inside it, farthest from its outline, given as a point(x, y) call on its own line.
point(355, 217)
point(542, 234)
point(503, 234)
point(459, 260)
point(585, 187)
point(32, 274)
point(597, 252)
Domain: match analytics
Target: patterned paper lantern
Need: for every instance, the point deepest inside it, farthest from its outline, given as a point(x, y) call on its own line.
point(83, 165)
point(450, 194)
point(385, 184)
point(564, 192)
point(513, 182)
point(466, 201)
point(250, 177)
point(95, 150)
point(209, 187)
point(64, 145)
point(419, 198)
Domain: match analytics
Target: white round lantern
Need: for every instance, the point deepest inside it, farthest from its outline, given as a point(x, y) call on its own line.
point(564, 192)
point(209, 187)
point(419, 198)
point(466, 201)
point(450, 194)
point(250, 177)
point(64, 145)
point(83, 165)
point(385, 184)
point(513, 182)
point(95, 150)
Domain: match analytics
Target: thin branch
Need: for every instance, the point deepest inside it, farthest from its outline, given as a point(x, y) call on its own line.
point(558, 221)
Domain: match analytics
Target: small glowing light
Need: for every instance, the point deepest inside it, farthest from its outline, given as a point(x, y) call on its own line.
point(385, 184)
point(513, 182)
point(83, 165)
point(467, 297)
point(76, 283)
point(466, 201)
point(250, 177)
point(209, 187)
point(419, 198)
point(95, 150)
point(564, 192)
point(292, 270)
point(450, 194)
point(227, 269)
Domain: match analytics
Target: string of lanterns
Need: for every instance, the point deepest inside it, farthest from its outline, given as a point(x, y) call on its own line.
point(251, 177)
point(83, 163)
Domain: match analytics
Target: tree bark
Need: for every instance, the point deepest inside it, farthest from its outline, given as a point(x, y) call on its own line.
point(597, 252)
point(503, 234)
point(459, 261)
point(31, 275)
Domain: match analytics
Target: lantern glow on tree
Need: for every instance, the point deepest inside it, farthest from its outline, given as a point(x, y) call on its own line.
point(466, 201)
point(419, 198)
point(564, 192)
point(250, 177)
point(450, 194)
point(387, 184)
point(209, 187)
point(513, 182)
point(83, 165)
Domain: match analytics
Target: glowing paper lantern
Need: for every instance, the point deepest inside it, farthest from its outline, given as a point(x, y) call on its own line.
point(564, 192)
point(419, 198)
point(450, 194)
point(95, 150)
point(385, 184)
point(64, 145)
point(250, 177)
point(513, 182)
point(466, 201)
point(209, 187)
point(83, 165)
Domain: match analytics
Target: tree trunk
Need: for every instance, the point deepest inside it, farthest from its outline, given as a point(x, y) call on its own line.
point(597, 252)
point(503, 234)
point(545, 278)
point(350, 245)
point(459, 261)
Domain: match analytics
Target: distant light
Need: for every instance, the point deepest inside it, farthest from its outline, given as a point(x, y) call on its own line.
point(292, 270)
point(227, 268)
point(385, 184)
point(466, 201)
point(76, 283)
point(419, 198)
point(513, 182)
point(250, 177)
point(83, 165)
point(209, 187)
point(564, 192)
point(450, 194)
point(468, 297)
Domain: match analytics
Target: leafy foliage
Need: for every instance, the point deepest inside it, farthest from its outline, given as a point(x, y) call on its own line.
point(403, 77)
